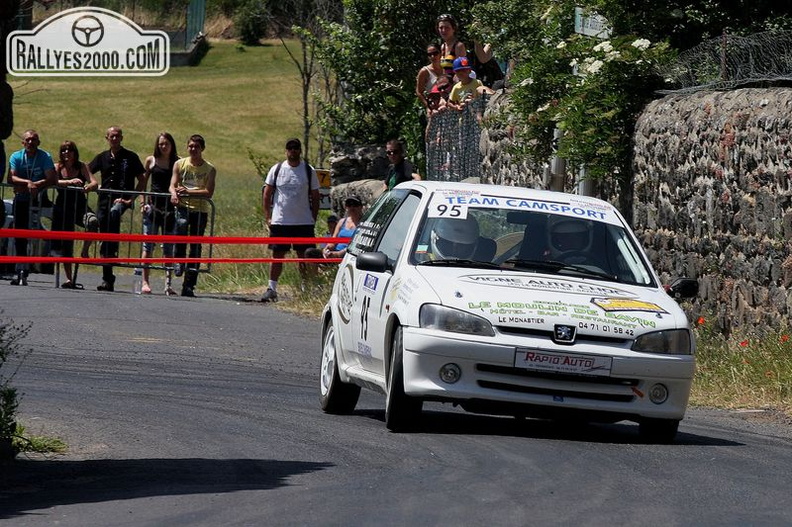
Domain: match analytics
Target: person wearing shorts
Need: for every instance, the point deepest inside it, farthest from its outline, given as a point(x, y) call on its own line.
point(290, 199)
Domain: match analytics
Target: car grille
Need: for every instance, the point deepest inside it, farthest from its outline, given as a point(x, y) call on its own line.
point(580, 339)
point(561, 385)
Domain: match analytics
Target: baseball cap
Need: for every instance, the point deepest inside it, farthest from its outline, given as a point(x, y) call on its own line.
point(293, 143)
point(447, 62)
point(461, 63)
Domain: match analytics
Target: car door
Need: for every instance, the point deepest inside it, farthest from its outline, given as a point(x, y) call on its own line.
point(349, 278)
point(370, 320)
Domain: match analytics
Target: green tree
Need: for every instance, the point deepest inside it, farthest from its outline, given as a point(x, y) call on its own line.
point(374, 57)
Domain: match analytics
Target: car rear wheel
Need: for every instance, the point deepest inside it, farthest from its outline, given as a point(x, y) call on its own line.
point(402, 412)
point(336, 396)
point(662, 431)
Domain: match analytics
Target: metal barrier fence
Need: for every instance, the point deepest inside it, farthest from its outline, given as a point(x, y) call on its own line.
point(94, 212)
point(452, 142)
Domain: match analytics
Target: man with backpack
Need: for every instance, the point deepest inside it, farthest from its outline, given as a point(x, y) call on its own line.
point(290, 199)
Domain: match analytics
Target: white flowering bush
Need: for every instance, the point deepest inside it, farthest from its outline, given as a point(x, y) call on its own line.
point(592, 89)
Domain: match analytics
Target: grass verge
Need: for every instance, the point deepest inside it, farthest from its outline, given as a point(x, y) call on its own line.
point(743, 370)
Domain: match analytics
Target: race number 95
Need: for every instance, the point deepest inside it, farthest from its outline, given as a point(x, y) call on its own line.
point(445, 210)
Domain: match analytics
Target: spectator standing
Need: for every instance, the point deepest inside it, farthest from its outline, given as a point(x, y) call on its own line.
point(120, 169)
point(31, 171)
point(74, 182)
point(290, 199)
point(192, 186)
point(468, 88)
point(487, 69)
point(447, 28)
point(159, 214)
point(428, 75)
point(353, 210)
point(400, 169)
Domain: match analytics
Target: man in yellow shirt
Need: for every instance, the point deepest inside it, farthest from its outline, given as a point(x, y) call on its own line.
point(191, 188)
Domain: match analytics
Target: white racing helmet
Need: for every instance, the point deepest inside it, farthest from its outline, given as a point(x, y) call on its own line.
point(454, 238)
point(569, 235)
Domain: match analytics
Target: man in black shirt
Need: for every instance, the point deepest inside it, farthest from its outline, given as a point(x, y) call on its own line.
point(119, 169)
point(400, 169)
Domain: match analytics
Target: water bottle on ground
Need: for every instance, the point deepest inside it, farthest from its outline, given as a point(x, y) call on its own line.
point(137, 285)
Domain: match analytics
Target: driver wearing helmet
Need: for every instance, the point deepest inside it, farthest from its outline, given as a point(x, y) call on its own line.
point(454, 238)
point(569, 235)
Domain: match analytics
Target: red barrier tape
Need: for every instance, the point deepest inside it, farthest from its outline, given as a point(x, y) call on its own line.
point(115, 261)
point(165, 238)
point(159, 238)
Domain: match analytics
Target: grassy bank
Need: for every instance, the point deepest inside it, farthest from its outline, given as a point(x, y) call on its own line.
point(239, 99)
point(743, 370)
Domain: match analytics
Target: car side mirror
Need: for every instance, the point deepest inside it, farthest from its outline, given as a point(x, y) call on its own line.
point(376, 262)
point(683, 288)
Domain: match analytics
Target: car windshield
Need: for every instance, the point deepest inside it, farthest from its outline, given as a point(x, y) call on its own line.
point(529, 241)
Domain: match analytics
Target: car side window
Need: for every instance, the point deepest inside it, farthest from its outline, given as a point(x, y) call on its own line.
point(395, 236)
point(374, 221)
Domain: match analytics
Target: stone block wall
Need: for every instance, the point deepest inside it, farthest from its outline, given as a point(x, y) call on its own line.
point(713, 200)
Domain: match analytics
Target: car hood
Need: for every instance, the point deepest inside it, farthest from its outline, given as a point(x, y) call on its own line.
point(540, 301)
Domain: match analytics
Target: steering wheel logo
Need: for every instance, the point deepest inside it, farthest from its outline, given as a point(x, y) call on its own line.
point(87, 31)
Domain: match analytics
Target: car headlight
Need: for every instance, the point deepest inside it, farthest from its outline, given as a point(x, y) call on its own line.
point(669, 341)
point(434, 316)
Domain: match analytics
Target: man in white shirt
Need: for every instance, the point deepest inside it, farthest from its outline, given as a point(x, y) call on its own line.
point(290, 199)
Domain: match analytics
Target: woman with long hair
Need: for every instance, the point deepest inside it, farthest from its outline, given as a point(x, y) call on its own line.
point(159, 215)
point(74, 182)
point(447, 28)
point(428, 75)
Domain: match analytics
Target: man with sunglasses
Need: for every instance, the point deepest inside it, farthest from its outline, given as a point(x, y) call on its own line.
point(290, 199)
point(120, 169)
point(31, 171)
point(400, 169)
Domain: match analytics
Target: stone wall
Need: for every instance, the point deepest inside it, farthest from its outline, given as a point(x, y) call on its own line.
point(713, 180)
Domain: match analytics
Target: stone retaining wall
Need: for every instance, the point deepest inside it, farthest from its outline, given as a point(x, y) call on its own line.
point(713, 180)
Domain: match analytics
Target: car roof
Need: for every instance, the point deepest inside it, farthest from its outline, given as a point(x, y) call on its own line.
point(503, 190)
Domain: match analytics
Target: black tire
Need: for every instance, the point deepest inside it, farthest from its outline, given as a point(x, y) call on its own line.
point(336, 396)
point(659, 431)
point(402, 412)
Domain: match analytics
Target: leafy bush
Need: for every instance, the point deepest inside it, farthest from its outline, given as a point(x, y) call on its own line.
point(250, 22)
point(10, 348)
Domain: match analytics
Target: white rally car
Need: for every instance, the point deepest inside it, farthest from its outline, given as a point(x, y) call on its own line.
point(507, 301)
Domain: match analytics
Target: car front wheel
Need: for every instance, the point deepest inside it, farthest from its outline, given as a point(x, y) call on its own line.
point(402, 412)
point(336, 396)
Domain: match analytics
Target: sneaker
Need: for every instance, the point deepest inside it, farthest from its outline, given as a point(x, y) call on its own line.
point(188, 291)
point(21, 279)
point(269, 295)
point(178, 270)
point(105, 286)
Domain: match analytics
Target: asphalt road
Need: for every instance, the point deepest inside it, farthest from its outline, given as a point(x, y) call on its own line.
point(204, 412)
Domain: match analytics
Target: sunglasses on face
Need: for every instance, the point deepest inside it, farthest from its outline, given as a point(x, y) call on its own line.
point(392, 152)
point(433, 53)
point(65, 150)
